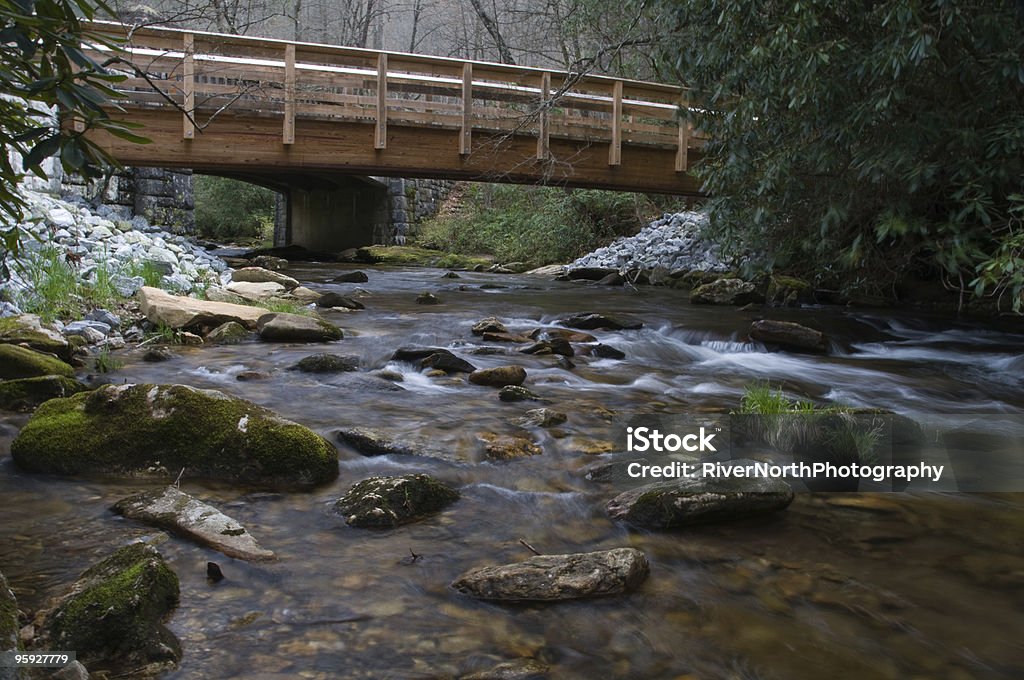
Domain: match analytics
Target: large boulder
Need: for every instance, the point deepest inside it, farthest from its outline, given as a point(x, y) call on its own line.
point(113, 615)
point(251, 290)
point(789, 335)
point(260, 275)
point(558, 577)
point(187, 516)
point(284, 327)
point(384, 502)
point(590, 321)
point(26, 330)
point(20, 362)
point(726, 292)
point(27, 393)
point(498, 377)
point(173, 311)
point(699, 500)
point(158, 430)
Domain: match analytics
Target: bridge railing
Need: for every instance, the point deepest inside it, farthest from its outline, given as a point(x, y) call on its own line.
point(209, 75)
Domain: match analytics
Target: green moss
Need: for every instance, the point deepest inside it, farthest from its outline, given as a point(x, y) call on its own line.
point(112, 617)
point(27, 393)
point(20, 362)
point(158, 430)
point(416, 256)
point(383, 502)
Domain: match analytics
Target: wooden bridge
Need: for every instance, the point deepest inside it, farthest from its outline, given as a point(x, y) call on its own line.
point(284, 111)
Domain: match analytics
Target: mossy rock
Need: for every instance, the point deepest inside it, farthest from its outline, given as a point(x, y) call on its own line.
point(416, 256)
point(8, 620)
point(20, 362)
point(230, 333)
point(18, 331)
point(156, 430)
point(789, 291)
point(384, 502)
point(113, 616)
point(25, 394)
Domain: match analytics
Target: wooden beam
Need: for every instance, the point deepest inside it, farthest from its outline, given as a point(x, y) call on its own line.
point(188, 85)
point(288, 134)
point(615, 149)
point(544, 124)
point(682, 160)
point(466, 135)
point(380, 138)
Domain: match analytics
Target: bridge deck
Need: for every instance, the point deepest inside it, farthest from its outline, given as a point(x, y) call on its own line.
point(268, 106)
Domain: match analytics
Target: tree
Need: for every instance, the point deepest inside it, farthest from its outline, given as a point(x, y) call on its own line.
point(868, 139)
point(46, 80)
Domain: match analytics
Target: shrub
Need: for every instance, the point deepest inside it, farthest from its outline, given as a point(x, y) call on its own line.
point(230, 209)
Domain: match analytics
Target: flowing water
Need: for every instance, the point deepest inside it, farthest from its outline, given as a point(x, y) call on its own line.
point(914, 585)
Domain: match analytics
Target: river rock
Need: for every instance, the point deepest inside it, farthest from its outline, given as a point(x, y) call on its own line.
point(26, 330)
point(508, 447)
point(155, 355)
point(113, 615)
point(384, 502)
point(26, 393)
point(164, 309)
point(9, 627)
point(561, 334)
point(590, 273)
point(726, 292)
point(260, 275)
point(489, 325)
point(187, 516)
point(351, 277)
point(553, 346)
point(283, 327)
point(338, 300)
point(788, 335)
point(417, 353)
point(549, 578)
point(373, 442)
point(20, 362)
point(255, 291)
point(517, 393)
point(787, 291)
point(304, 295)
point(230, 333)
point(542, 417)
point(607, 352)
point(427, 299)
point(699, 500)
point(590, 321)
point(498, 377)
point(326, 363)
point(613, 279)
point(504, 337)
point(156, 430)
point(270, 262)
point(447, 362)
point(520, 669)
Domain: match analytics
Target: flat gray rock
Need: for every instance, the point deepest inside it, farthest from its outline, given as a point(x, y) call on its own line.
point(558, 577)
point(184, 515)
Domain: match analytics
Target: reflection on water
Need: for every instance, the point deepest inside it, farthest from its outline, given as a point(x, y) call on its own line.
point(843, 586)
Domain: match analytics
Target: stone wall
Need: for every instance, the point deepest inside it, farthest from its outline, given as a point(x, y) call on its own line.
point(163, 196)
point(412, 201)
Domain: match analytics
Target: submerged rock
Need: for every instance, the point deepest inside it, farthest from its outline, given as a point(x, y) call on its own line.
point(373, 442)
point(27, 393)
point(542, 417)
point(558, 577)
point(788, 335)
point(184, 515)
point(508, 447)
point(164, 309)
point(607, 322)
point(517, 393)
point(20, 362)
point(726, 292)
point(326, 363)
point(351, 277)
point(700, 500)
point(284, 327)
point(498, 377)
point(156, 430)
point(113, 615)
point(520, 669)
point(385, 502)
point(427, 299)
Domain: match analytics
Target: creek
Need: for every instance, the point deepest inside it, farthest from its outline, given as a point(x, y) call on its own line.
point(927, 585)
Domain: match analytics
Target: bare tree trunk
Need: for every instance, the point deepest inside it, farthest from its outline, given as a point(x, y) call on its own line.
point(417, 10)
point(495, 33)
point(297, 20)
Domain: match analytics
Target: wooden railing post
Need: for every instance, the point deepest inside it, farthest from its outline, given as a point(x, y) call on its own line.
point(288, 134)
point(188, 87)
point(682, 162)
point(466, 134)
point(615, 150)
point(544, 125)
point(380, 140)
